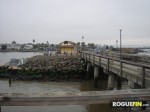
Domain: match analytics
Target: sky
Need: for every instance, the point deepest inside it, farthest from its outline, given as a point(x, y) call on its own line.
point(99, 21)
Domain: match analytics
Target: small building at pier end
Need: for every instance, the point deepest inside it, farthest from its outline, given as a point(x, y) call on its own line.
point(68, 47)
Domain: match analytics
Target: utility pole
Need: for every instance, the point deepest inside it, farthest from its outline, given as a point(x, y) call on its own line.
point(116, 44)
point(120, 43)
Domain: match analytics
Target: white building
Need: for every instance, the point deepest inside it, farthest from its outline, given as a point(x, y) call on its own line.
point(13, 46)
point(28, 46)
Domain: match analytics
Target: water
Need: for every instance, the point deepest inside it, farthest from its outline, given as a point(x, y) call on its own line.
point(40, 87)
point(47, 87)
point(6, 56)
point(146, 52)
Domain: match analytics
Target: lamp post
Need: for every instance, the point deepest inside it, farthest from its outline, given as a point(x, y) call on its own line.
point(120, 43)
point(82, 44)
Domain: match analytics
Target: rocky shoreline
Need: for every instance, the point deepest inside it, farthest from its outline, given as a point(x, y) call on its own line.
point(48, 68)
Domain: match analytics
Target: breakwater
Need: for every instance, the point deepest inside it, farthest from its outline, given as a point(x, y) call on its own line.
point(48, 68)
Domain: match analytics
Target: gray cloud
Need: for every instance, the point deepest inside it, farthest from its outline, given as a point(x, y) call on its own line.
point(98, 21)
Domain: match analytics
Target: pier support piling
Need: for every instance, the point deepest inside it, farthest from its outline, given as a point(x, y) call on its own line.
point(111, 80)
point(131, 84)
point(96, 76)
point(119, 83)
point(89, 67)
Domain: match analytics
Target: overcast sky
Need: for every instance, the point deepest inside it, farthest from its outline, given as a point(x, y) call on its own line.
point(98, 21)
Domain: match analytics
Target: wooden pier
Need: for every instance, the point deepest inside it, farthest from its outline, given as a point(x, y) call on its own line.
point(134, 72)
point(72, 98)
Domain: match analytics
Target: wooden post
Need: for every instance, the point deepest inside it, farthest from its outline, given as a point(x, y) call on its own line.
point(131, 83)
point(111, 80)
point(9, 81)
point(120, 73)
point(100, 61)
point(118, 83)
point(86, 56)
point(120, 68)
point(108, 65)
point(93, 59)
point(143, 77)
point(96, 75)
point(89, 67)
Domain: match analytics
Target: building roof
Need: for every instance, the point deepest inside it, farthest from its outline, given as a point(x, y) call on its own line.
point(69, 42)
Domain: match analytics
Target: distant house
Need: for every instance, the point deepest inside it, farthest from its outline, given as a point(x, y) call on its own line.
point(13, 46)
point(28, 46)
point(68, 47)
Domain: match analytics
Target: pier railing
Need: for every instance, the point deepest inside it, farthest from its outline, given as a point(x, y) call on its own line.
point(132, 57)
point(139, 70)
